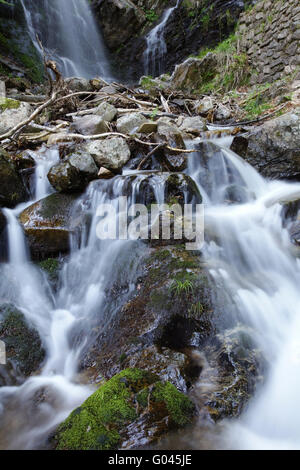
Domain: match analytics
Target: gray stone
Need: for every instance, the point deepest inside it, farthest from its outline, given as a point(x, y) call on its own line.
point(193, 125)
point(130, 123)
point(90, 125)
point(274, 148)
point(12, 113)
point(74, 173)
point(112, 153)
point(107, 111)
point(78, 84)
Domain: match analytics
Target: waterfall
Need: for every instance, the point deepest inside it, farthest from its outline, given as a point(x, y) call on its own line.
point(69, 34)
point(253, 261)
point(156, 50)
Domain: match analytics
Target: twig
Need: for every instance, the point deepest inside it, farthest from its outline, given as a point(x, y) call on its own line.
point(150, 155)
point(24, 123)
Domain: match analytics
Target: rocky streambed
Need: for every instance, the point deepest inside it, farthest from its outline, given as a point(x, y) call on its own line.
point(144, 323)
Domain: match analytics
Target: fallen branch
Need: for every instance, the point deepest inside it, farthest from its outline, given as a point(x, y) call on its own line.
point(159, 146)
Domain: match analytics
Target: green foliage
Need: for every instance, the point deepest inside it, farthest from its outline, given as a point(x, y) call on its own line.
point(151, 15)
point(182, 287)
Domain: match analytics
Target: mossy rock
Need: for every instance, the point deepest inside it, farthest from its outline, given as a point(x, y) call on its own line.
point(7, 103)
point(23, 344)
point(132, 399)
point(51, 267)
point(12, 188)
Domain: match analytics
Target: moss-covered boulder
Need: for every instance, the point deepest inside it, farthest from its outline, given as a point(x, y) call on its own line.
point(48, 224)
point(12, 188)
point(169, 312)
point(133, 407)
point(24, 348)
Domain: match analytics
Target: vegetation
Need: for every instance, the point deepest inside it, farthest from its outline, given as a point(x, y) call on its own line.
point(99, 422)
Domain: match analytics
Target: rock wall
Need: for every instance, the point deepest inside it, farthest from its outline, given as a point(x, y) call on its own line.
point(194, 25)
point(270, 35)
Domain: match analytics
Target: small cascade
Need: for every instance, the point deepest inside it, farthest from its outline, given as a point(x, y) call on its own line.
point(156, 50)
point(251, 257)
point(69, 34)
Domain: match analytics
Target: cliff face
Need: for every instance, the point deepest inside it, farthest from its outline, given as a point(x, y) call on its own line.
point(193, 25)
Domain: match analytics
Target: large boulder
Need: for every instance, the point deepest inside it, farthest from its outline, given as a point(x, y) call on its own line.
point(73, 173)
point(133, 408)
point(273, 148)
point(112, 153)
point(194, 73)
point(12, 188)
point(24, 349)
point(48, 224)
point(12, 112)
point(174, 312)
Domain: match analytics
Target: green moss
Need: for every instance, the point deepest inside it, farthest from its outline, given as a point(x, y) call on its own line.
point(98, 422)
point(179, 406)
point(22, 341)
point(7, 103)
point(51, 267)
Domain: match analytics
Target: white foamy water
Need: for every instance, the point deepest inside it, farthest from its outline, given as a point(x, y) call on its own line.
point(254, 261)
point(156, 50)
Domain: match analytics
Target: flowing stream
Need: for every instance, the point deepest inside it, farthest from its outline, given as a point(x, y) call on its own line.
point(156, 50)
point(69, 33)
point(252, 261)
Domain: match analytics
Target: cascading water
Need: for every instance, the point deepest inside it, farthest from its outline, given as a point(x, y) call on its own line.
point(250, 257)
point(253, 261)
point(69, 33)
point(156, 50)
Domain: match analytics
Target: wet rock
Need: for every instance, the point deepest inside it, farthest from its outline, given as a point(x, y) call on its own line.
point(12, 188)
point(51, 267)
point(273, 148)
point(90, 125)
point(133, 408)
point(240, 367)
point(107, 111)
point(193, 73)
point(112, 153)
point(12, 113)
point(48, 224)
point(173, 161)
point(3, 237)
point(153, 330)
point(24, 350)
point(74, 173)
point(130, 123)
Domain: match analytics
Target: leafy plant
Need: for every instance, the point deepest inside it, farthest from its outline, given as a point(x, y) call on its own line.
point(182, 287)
